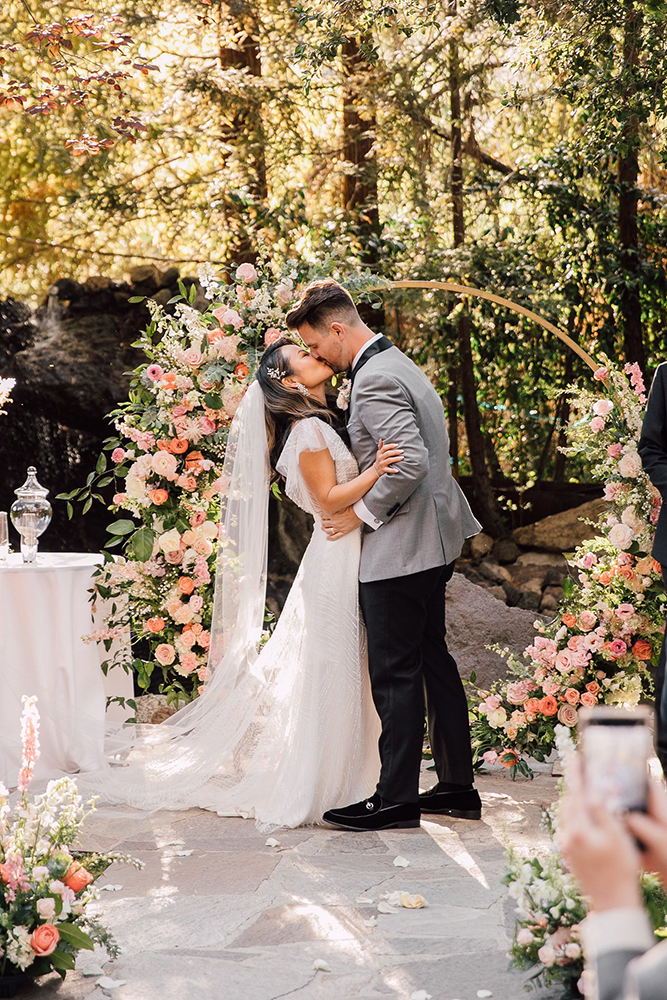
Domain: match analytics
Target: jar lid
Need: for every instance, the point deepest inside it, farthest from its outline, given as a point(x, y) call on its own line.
point(31, 488)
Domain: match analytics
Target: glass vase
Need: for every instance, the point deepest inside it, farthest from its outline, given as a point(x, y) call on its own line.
point(31, 514)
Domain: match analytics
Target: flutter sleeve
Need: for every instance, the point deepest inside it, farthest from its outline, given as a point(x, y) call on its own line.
point(311, 434)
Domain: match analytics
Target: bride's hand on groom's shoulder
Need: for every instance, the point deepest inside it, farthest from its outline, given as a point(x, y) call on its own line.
point(338, 525)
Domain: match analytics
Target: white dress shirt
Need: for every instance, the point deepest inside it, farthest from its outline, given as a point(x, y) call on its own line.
point(360, 508)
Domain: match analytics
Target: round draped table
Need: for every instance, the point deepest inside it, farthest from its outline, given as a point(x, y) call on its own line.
point(44, 612)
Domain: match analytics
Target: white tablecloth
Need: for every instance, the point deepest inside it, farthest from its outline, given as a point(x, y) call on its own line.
point(44, 611)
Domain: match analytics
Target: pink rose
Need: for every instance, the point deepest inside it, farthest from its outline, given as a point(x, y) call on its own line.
point(271, 336)
point(175, 557)
point(154, 373)
point(196, 518)
point(189, 662)
point(587, 620)
point(188, 639)
point(550, 688)
point(193, 357)
point(165, 654)
point(524, 937)
point(568, 715)
point(610, 491)
point(231, 318)
point(603, 407)
point(119, 498)
point(117, 455)
point(179, 411)
point(490, 756)
point(601, 374)
point(625, 611)
point(597, 424)
point(196, 603)
point(206, 425)
point(283, 294)
point(564, 661)
point(621, 535)
point(614, 450)
point(589, 560)
point(617, 648)
point(247, 273)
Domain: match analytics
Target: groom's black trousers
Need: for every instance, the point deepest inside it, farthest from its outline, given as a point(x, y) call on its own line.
point(409, 659)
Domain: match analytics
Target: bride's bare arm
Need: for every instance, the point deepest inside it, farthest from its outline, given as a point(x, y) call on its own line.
point(319, 473)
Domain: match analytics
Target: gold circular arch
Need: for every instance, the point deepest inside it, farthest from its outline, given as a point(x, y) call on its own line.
point(450, 286)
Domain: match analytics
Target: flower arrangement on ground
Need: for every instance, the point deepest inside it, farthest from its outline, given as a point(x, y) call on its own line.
point(45, 885)
point(607, 635)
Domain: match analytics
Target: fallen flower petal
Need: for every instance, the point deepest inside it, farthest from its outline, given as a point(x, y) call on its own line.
point(107, 983)
point(111, 888)
point(415, 902)
point(371, 923)
point(184, 854)
point(384, 907)
point(400, 862)
point(364, 899)
point(420, 995)
point(272, 842)
point(321, 966)
point(482, 994)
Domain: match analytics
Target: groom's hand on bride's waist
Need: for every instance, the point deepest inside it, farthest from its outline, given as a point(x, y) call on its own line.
point(337, 525)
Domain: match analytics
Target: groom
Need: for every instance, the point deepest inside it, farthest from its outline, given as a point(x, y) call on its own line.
point(415, 522)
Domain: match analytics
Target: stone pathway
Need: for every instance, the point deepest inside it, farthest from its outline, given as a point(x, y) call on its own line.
point(237, 920)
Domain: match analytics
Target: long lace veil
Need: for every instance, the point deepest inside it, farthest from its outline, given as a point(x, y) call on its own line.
point(164, 765)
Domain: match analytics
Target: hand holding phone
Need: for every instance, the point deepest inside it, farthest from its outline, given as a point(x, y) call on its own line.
point(616, 744)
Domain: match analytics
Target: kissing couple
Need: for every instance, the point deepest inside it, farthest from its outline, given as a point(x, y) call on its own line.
point(330, 710)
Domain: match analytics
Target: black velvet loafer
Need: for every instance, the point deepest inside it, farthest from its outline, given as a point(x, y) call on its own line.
point(462, 804)
point(374, 814)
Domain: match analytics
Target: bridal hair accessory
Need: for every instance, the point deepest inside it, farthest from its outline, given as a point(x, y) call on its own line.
point(273, 373)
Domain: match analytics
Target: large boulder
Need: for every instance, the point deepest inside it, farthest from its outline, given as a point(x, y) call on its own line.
point(561, 532)
point(477, 619)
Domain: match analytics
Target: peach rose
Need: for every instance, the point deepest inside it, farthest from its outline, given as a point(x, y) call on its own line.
point(165, 654)
point(605, 578)
point(588, 700)
point(271, 335)
point(186, 585)
point(192, 459)
point(571, 696)
point(569, 620)
point(642, 650)
point(567, 714)
point(532, 706)
point(593, 687)
point(77, 877)
point(548, 705)
point(188, 483)
point(158, 497)
point(193, 357)
point(155, 624)
point(44, 939)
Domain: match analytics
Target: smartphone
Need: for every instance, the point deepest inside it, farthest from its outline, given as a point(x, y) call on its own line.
point(616, 745)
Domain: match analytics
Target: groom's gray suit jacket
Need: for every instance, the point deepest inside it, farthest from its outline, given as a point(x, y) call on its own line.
point(424, 515)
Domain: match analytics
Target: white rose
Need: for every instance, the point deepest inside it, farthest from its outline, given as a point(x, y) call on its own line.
point(631, 518)
point(170, 541)
point(40, 872)
point(56, 887)
point(572, 950)
point(621, 536)
point(630, 465)
point(497, 717)
point(46, 908)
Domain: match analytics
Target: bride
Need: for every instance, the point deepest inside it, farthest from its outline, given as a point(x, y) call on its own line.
point(282, 734)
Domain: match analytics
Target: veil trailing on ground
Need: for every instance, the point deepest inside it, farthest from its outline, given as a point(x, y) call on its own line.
point(164, 765)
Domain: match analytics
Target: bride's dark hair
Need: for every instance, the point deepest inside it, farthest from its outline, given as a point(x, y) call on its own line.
point(284, 406)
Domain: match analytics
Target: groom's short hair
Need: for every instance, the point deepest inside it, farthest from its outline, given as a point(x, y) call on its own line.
point(322, 301)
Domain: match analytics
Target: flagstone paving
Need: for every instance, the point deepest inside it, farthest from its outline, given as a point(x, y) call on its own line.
point(239, 920)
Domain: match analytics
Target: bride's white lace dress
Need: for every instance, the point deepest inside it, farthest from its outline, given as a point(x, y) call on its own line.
point(298, 735)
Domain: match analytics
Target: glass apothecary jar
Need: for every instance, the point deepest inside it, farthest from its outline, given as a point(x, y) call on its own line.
point(31, 514)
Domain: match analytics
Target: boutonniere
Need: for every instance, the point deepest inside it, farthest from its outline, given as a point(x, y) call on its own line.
point(343, 398)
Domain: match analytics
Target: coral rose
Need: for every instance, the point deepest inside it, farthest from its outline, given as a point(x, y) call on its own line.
point(44, 939)
point(548, 705)
point(241, 370)
point(155, 624)
point(532, 706)
point(569, 620)
point(186, 585)
point(593, 687)
point(77, 877)
point(508, 758)
point(158, 497)
point(605, 578)
point(192, 459)
point(642, 650)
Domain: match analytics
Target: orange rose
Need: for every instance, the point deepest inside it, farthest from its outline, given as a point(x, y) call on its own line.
point(548, 705)
point(241, 370)
point(628, 573)
point(569, 620)
point(163, 445)
point(178, 446)
point(158, 496)
point(77, 877)
point(168, 380)
point(508, 758)
point(44, 939)
point(155, 624)
point(531, 706)
point(186, 585)
point(605, 578)
point(657, 567)
point(192, 459)
point(642, 650)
